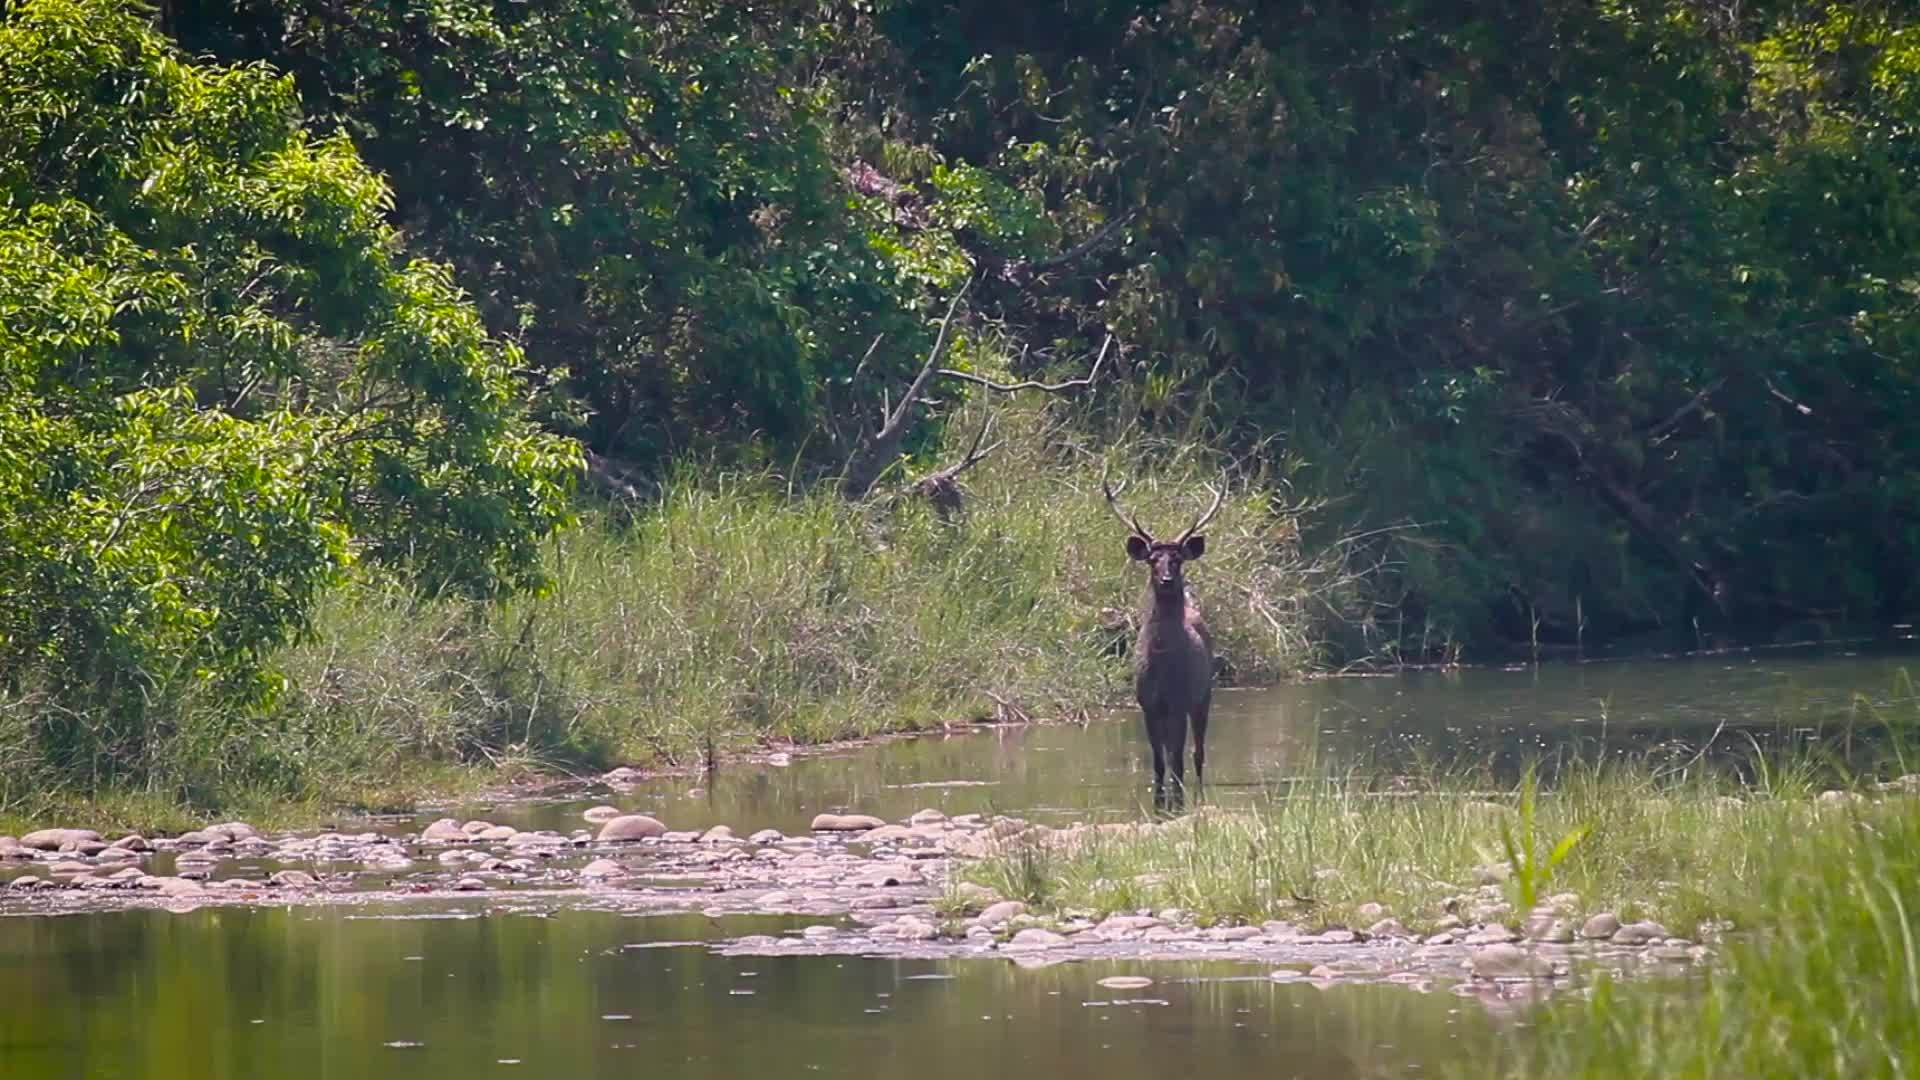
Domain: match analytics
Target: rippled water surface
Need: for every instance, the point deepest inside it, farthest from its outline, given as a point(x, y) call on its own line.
point(1261, 736)
point(437, 990)
point(319, 993)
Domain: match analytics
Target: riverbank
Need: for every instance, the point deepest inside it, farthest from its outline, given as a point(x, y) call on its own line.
point(730, 614)
point(1682, 844)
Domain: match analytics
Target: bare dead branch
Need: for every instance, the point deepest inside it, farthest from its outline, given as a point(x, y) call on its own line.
point(1077, 251)
point(1659, 431)
point(942, 487)
point(871, 458)
point(1034, 384)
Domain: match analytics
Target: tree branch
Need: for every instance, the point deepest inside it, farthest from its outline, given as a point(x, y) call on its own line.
point(1077, 251)
point(871, 458)
point(1032, 384)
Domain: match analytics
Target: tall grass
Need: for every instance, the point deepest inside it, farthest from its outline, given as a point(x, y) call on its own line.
point(1827, 983)
point(734, 611)
point(1679, 846)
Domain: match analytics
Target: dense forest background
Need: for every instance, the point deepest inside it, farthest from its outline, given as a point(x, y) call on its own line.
point(1576, 320)
point(1614, 301)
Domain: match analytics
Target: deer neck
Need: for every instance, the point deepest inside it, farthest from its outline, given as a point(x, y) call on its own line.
point(1169, 606)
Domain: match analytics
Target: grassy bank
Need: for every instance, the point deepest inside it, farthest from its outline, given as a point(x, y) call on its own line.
point(729, 613)
point(1677, 845)
point(1827, 985)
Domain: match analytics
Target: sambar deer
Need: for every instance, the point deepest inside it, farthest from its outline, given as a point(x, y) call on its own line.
point(1173, 658)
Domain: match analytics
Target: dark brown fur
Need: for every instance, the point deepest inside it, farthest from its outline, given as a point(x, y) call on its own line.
point(1173, 658)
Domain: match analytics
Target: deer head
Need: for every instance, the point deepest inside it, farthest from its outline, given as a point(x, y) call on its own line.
point(1164, 559)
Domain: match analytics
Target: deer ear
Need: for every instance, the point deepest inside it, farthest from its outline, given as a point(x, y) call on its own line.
point(1137, 548)
point(1195, 547)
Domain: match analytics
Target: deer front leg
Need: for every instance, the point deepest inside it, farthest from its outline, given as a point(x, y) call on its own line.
point(1155, 739)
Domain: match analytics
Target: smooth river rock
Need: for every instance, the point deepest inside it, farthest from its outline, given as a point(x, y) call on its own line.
point(1033, 937)
point(1640, 933)
point(55, 839)
point(631, 827)
point(1600, 926)
point(846, 822)
point(1508, 961)
point(995, 914)
point(444, 831)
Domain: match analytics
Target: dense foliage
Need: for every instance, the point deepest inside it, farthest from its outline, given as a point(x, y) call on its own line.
point(220, 383)
point(1614, 301)
point(1617, 300)
point(1584, 318)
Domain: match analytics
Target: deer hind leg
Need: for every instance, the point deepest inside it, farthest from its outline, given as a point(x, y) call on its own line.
point(1200, 741)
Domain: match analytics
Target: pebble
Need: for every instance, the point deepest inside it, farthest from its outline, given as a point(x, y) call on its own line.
point(628, 827)
point(845, 822)
point(1125, 982)
point(1550, 931)
point(176, 886)
point(1388, 928)
point(929, 816)
point(1490, 935)
point(914, 928)
point(885, 834)
point(974, 895)
point(719, 834)
point(1640, 933)
point(55, 839)
point(1603, 925)
point(995, 914)
point(444, 831)
point(1508, 961)
point(767, 836)
point(1035, 938)
point(602, 868)
point(469, 884)
point(293, 879)
point(1371, 912)
point(600, 815)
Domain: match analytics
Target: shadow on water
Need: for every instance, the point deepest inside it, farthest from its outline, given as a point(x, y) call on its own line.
point(320, 993)
point(1497, 718)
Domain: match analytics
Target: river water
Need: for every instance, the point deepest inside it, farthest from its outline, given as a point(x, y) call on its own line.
point(434, 990)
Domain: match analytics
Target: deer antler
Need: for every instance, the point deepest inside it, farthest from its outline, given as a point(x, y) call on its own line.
point(1113, 504)
point(1219, 496)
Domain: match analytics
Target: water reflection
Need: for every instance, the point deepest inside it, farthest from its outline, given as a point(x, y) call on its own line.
point(1261, 737)
point(315, 993)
